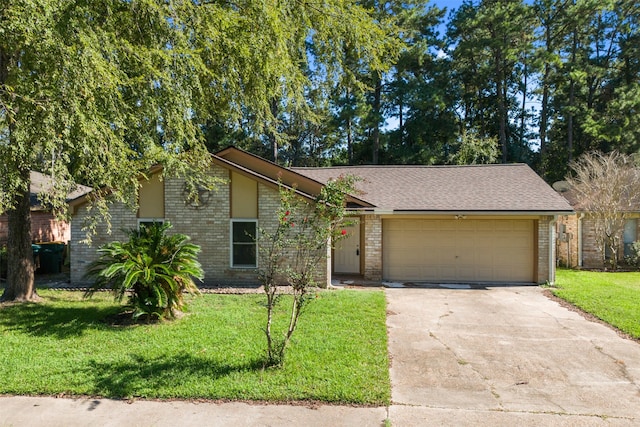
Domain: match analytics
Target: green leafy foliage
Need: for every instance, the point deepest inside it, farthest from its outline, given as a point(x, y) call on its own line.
point(471, 150)
point(97, 92)
point(292, 253)
point(152, 267)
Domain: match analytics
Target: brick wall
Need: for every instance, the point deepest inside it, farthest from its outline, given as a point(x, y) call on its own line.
point(44, 228)
point(208, 226)
point(372, 247)
point(268, 205)
point(81, 254)
point(543, 249)
point(592, 256)
point(567, 242)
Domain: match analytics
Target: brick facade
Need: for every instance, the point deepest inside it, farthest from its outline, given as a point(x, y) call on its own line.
point(568, 249)
point(543, 251)
point(567, 241)
point(372, 247)
point(208, 226)
point(81, 254)
point(44, 228)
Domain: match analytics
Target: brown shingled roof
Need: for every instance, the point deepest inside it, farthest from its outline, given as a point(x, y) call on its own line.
point(42, 183)
point(489, 188)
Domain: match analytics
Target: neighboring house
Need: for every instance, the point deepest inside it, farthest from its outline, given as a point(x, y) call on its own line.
point(577, 244)
point(45, 227)
point(490, 223)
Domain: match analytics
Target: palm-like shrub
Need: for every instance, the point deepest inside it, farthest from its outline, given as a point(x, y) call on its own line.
point(153, 268)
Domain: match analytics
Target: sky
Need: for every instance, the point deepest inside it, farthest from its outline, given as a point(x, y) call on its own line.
point(449, 4)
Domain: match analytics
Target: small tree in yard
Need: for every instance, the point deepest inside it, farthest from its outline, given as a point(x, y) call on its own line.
point(153, 268)
point(291, 254)
point(607, 187)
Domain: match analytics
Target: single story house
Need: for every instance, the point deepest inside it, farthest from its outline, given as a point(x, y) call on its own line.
point(578, 245)
point(45, 227)
point(485, 223)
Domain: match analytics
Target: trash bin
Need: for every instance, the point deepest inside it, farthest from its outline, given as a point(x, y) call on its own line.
point(36, 255)
point(51, 257)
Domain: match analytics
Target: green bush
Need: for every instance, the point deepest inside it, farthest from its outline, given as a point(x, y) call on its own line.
point(152, 267)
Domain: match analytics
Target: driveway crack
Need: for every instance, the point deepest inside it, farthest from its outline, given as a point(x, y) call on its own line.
point(621, 365)
point(461, 361)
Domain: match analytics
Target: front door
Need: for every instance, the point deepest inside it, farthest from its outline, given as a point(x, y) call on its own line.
point(347, 251)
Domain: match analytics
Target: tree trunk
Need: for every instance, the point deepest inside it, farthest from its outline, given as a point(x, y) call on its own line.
point(502, 135)
point(377, 102)
point(349, 131)
point(400, 111)
point(572, 92)
point(273, 139)
point(543, 119)
point(20, 283)
point(524, 103)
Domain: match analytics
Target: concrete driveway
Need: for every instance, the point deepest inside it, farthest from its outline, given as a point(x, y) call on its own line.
point(505, 356)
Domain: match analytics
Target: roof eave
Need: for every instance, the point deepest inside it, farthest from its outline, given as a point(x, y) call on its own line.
point(382, 211)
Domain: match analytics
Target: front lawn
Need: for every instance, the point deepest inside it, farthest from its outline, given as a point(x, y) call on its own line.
point(216, 351)
point(612, 297)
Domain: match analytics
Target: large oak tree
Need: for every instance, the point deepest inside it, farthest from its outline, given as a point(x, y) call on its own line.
point(97, 91)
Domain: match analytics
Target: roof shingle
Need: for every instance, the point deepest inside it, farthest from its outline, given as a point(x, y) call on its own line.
point(490, 188)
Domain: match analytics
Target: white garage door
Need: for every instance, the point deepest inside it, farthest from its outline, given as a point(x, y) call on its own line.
point(458, 250)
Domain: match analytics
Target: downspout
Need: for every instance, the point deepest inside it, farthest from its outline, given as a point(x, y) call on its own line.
point(552, 250)
point(580, 262)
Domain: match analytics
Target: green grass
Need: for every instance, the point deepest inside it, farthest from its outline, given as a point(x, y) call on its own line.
point(611, 297)
point(63, 345)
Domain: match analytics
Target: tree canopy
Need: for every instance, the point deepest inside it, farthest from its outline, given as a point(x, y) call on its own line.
point(98, 91)
point(542, 81)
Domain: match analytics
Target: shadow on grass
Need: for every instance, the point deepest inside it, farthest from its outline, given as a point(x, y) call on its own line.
point(40, 319)
point(167, 377)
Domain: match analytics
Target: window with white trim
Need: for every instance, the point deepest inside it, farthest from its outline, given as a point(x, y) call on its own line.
point(244, 245)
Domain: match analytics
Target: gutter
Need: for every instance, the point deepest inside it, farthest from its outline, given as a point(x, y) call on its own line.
point(552, 251)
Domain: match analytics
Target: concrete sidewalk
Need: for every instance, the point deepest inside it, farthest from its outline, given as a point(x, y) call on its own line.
point(23, 411)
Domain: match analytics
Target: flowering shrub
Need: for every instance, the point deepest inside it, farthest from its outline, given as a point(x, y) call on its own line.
point(291, 256)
